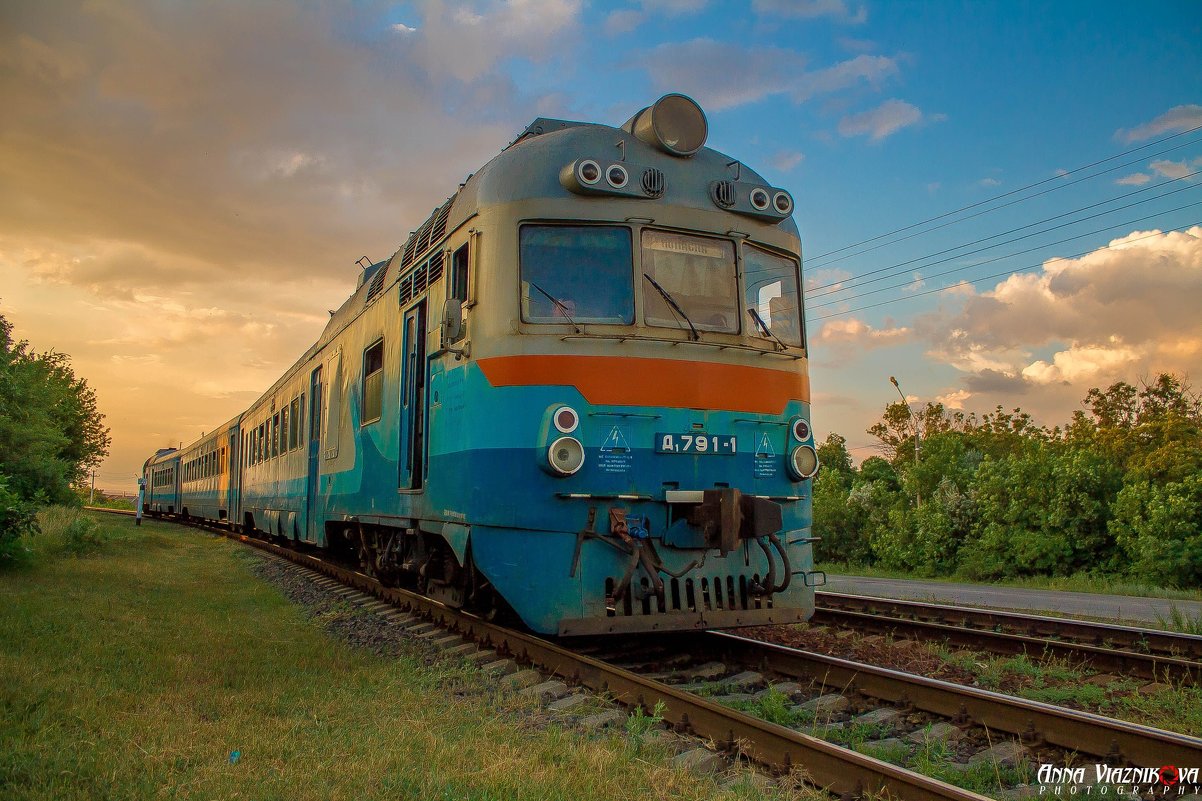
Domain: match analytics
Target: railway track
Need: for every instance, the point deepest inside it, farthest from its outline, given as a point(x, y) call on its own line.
point(660, 674)
point(1126, 650)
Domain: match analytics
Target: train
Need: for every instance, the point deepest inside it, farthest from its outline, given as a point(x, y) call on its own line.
point(577, 394)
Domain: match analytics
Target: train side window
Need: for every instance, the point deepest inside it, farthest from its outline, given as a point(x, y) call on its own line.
point(285, 424)
point(275, 435)
point(261, 449)
point(294, 428)
point(459, 264)
point(300, 416)
point(373, 383)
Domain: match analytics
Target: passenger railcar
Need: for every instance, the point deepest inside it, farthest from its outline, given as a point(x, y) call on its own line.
point(578, 391)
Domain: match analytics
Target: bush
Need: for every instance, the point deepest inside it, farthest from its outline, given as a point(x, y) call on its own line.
point(1160, 530)
point(17, 521)
point(68, 530)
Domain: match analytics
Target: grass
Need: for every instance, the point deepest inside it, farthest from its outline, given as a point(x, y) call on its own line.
point(1173, 707)
point(152, 665)
point(1182, 622)
point(775, 707)
point(1080, 582)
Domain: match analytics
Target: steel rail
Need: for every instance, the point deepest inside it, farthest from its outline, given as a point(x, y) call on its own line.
point(1032, 721)
point(1132, 638)
point(1146, 666)
point(836, 769)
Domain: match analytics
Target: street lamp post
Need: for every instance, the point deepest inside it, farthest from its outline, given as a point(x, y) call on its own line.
point(914, 420)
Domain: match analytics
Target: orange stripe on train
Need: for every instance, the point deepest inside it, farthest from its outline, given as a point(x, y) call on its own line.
point(624, 381)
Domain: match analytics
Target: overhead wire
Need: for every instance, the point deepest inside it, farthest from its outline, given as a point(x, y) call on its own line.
point(851, 282)
point(1104, 228)
point(965, 268)
point(1057, 177)
point(990, 277)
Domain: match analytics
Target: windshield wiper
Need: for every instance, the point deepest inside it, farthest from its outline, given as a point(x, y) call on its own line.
point(676, 306)
point(559, 304)
point(755, 315)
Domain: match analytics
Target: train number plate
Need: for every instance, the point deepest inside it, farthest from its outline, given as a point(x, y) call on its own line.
point(699, 443)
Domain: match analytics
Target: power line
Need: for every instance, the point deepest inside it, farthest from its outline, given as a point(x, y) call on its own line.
point(1011, 241)
point(989, 277)
point(847, 283)
point(1000, 258)
point(1012, 192)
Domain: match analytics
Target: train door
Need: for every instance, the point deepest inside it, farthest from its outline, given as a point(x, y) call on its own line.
point(234, 477)
point(315, 398)
point(413, 399)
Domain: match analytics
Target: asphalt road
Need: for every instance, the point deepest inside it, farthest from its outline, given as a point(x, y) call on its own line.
point(1122, 608)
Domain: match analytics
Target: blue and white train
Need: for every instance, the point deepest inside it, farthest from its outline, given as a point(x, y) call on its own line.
point(578, 392)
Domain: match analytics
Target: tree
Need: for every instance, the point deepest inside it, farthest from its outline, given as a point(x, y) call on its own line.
point(51, 431)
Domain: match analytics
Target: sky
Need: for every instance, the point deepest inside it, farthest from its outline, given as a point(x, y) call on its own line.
point(185, 187)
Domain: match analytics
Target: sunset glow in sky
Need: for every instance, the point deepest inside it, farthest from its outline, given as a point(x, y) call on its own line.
point(185, 186)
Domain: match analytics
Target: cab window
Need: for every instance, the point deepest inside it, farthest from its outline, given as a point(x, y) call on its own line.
point(771, 291)
point(577, 273)
point(697, 273)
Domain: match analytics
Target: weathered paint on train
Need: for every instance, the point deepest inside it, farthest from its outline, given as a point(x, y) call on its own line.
point(456, 448)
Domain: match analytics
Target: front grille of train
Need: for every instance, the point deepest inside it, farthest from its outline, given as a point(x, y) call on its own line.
point(653, 182)
point(710, 594)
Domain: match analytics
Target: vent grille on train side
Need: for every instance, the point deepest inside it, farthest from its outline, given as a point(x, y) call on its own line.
point(377, 285)
point(724, 193)
point(653, 182)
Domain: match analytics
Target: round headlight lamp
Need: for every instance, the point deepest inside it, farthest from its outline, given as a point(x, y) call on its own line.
point(565, 456)
point(617, 176)
point(589, 171)
point(759, 199)
point(675, 124)
point(803, 462)
point(783, 203)
point(801, 430)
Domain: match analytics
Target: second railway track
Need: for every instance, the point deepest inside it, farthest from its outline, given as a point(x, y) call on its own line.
point(628, 672)
point(1146, 653)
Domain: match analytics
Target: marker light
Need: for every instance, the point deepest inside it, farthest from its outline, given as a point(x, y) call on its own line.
point(783, 203)
point(565, 456)
point(759, 199)
point(566, 419)
point(617, 176)
point(803, 463)
point(801, 430)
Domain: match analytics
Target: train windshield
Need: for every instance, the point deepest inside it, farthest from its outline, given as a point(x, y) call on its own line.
point(771, 282)
point(698, 273)
point(576, 273)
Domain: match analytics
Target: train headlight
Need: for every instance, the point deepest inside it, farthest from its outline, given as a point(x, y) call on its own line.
point(617, 176)
point(565, 456)
point(783, 203)
point(589, 172)
point(759, 199)
point(803, 462)
point(565, 419)
point(801, 430)
point(675, 124)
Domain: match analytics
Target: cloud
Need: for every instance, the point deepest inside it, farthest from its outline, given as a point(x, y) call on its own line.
point(838, 10)
point(1117, 313)
point(623, 20)
point(1134, 179)
point(722, 76)
point(1176, 119)
point(1171, 169)
point(856, 333)
point(988, 182)
point(954, 399)
point(402, 28)
point(882, 121)
point(786, 160)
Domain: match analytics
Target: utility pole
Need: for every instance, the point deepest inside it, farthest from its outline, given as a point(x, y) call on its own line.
point(92, 496)
point(914, 420)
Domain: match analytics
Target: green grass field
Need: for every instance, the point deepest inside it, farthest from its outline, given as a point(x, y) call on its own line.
point(147, 663)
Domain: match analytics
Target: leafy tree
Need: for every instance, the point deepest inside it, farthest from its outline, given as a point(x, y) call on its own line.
point(1160, 530)
point(51, 432)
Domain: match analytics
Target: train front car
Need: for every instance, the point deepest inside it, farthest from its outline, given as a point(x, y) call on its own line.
point(627, 428)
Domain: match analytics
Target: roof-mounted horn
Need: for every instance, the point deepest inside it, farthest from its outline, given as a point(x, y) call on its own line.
point(675, 124)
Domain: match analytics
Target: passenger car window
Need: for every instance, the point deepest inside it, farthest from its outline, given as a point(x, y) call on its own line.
point(577, 272)
point(699, 274)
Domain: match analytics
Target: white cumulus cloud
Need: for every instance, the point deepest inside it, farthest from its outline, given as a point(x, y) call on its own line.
point(1176, 119)
point(882, 121)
